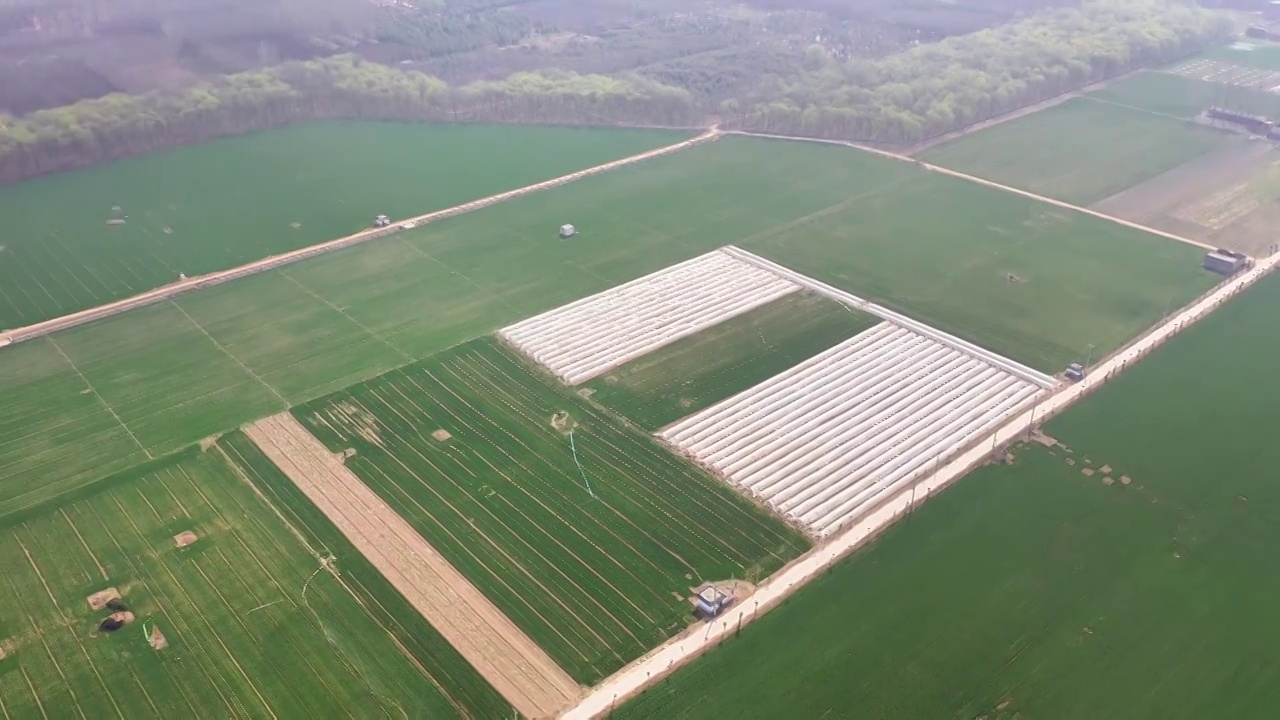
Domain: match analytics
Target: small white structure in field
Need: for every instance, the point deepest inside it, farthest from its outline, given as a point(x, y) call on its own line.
point(567, 231)
point(710, 600)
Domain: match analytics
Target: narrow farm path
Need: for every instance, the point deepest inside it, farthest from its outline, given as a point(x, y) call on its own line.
point(980, 181)
point(180, 287)
point(510, 660)
point(685, 647)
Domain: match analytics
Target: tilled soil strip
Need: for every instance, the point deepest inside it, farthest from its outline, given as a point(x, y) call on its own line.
point(512, 662)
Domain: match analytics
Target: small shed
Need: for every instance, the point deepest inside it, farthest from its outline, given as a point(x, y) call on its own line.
point(1074, 372)
point(568, 231)
point(1225, 262)
point(710, 601)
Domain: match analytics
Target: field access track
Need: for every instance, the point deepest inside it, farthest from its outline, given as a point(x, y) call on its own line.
point(587, 338)
point(503, 655)
point(824, 442)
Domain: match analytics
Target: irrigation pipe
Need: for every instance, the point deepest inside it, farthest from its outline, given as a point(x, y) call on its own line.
point(304, 590)
point(574, 450)
point(308, 582)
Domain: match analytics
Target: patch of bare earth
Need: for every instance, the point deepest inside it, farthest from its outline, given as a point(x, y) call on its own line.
point(441, 435)
point(516, 667)
point(185, 538)
point(156, 639)
point(1225, 198)
point(1043, 439)
point(739, 589)
point(99, 600)
point(354, 419)
point(563, 422)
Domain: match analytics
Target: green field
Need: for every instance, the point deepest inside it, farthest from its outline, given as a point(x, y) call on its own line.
point(1035, 590)
point(594, 561)
point(1017, 276)
point(719, 362)
point(1260, 54)
point(253, 630)
point(1081, 151)
point(1184, 97)
point(224, 203)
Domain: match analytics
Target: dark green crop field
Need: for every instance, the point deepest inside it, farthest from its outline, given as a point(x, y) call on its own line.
point(1126, 572)
point(719, 362)
point(242, 622)
point(594, 557)
point(79, 239)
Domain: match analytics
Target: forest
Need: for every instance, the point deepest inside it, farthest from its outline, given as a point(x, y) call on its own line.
point(823, 75)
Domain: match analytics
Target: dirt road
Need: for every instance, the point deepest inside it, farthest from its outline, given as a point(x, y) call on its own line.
point(679, 650)
point(981, 181)
point(511, 661)
point(217, 278)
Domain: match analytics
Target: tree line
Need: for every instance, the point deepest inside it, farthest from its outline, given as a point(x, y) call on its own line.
point(901, 98)
point(940, 87)
point(337, 87)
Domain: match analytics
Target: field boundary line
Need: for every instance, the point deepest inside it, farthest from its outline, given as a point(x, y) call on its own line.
point(180, 287)
point(454, 271)
point(683, 648)
point(975, 179)
point(229, 354)
point(403, 355)
point(1135, 108)
point(101, 570)
point(101, 399)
